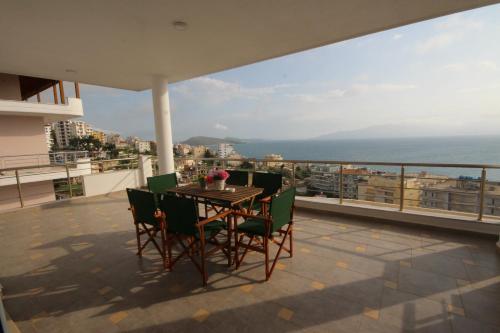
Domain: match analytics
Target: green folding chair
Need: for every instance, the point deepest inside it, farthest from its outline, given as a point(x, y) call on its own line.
point(159, 184)
point(237, 177)
point(147, 222)
point(271, 183)
point(267, 228)
point(192, 233)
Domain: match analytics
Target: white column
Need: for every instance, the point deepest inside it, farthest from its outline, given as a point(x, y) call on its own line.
point(163, 127)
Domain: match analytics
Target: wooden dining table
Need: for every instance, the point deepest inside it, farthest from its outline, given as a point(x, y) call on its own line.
point(226, 199)
point(221, 200)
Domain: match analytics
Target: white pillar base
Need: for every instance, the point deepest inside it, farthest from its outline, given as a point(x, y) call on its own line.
point(163, 126)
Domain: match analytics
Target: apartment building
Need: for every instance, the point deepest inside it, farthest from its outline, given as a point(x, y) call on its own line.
point(462, 195)
point(224, 150)
point(386, 187)
point(325, 179)
point(182, 149)
point(99, 135)
point(67, 129)
point(273, 157)
point(142, 146)
point(49, 140)
point(198, 151)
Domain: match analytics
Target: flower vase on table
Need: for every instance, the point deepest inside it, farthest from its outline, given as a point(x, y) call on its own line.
point(218, 176)
point(220, 184)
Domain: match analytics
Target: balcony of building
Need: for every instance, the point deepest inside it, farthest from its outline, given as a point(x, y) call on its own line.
point(22, 96)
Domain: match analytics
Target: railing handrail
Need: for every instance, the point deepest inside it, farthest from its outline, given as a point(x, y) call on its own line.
point(338, 162)
point(48, 153)
point(69, 163)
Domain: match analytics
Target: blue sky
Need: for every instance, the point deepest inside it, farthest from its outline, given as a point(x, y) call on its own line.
point(439, 77)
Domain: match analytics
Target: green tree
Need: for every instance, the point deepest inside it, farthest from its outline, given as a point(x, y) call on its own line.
point(209, 154)
point(246, 165)
point(87, 143)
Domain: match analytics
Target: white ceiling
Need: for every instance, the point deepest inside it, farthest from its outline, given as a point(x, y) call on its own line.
point(122, 43)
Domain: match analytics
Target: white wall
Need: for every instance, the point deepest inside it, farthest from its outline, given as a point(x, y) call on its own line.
point(104, 183)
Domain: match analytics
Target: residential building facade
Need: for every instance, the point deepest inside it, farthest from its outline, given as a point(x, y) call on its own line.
point(224, 149)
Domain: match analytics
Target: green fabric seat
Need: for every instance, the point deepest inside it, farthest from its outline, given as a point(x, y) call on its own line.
point(274, 226)
point(212, 229)
point(183, 222)
point(253, 226)
point(280, 209)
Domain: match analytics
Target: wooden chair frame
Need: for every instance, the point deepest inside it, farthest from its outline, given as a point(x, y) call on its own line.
point(191, 246)
point(262, 246)
point(142, 228)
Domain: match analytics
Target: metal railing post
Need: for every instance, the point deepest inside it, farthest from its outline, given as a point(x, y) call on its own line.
point(69, 182)
point(402, 189)
point(19, 191)
point(481, 195)
point(341, 184)
point(293, 174)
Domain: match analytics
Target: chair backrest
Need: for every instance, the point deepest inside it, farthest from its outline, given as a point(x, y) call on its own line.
point(144, 206)
point(159, 184)
point(181, 214)
point(270, 182)
point(237, 177)
point(281, 208)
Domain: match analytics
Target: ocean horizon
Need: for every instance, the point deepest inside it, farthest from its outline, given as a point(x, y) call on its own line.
point(457, 149)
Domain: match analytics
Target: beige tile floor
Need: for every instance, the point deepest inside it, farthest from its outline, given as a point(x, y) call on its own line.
point(71, 267)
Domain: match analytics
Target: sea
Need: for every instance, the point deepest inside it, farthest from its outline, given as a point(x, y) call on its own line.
point(458, 150)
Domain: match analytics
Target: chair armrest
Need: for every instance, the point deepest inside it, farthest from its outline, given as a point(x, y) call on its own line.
point(265, 200)
point(245, 215)
point(213, 218)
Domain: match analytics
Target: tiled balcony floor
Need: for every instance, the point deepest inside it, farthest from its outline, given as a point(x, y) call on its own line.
point(71, 267)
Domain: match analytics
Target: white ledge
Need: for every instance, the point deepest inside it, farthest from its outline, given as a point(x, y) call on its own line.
point(433, 218)
point(50, 112)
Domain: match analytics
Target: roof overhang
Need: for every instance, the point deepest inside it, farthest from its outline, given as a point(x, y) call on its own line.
point(123, 43)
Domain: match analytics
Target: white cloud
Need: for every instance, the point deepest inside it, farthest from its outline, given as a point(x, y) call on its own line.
point(221, 127)
point(455, 67)
point(382, 87)
point(320, 97)
point(487, 65)
point(484, 65)
point(449, 31)
point(397, 36)
point(217, 91)
point(434, 42)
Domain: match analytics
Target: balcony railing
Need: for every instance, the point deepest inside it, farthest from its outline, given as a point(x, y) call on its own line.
point(398, 184)
point(65, 169)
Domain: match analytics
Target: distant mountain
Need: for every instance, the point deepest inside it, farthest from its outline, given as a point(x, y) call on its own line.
point(391, 131)
point(208, 141)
